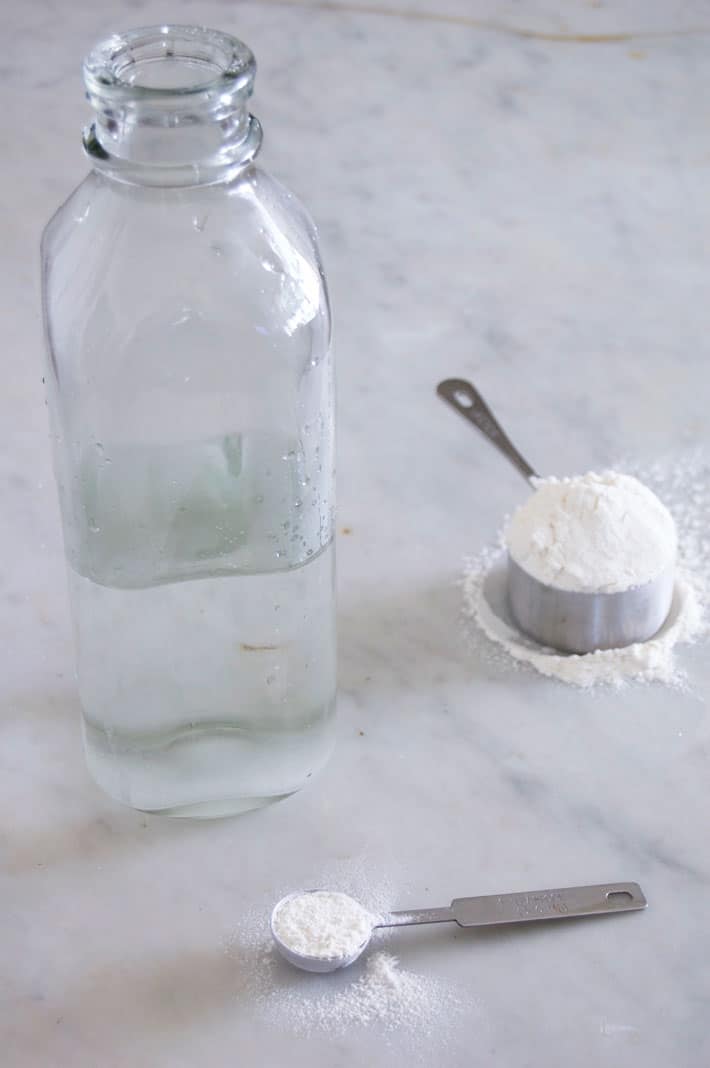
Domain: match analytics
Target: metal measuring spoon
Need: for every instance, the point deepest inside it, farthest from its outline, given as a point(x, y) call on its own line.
point(571, 621)
point(488, 911)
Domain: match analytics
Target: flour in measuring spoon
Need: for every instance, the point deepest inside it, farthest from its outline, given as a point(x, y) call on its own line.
point(323, 923)
point(417, 1011)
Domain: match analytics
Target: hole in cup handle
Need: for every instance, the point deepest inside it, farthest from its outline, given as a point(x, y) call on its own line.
point(462, 399)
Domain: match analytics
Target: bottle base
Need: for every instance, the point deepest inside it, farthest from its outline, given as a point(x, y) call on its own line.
point(206, 772)
point(214, 810)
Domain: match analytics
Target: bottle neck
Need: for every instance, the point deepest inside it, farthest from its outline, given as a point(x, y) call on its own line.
point(171, 106)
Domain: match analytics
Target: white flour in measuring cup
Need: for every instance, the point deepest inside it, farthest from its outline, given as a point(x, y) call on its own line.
point(594, 533)
point(602, 533)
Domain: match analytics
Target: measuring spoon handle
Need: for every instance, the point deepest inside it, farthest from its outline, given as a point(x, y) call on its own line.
point(462, 396)
point(561, 904)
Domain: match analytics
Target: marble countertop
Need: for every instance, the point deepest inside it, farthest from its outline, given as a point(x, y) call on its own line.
point(503, 193)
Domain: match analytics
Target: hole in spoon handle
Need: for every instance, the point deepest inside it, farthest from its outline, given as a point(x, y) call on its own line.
point(466, 399)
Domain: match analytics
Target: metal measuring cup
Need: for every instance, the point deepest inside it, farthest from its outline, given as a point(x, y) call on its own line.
point(568, 620)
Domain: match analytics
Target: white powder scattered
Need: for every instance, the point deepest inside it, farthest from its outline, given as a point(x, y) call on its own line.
point(684, 484)
point(323, 924)
point(374, 992)
point(653, 660)
point(383, 994)
point(599, 533)
point(683, 480)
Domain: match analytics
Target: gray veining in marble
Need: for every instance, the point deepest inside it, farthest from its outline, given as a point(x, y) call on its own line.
point(529, 212)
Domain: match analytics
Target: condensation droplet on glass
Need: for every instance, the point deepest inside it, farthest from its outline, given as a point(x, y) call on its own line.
point(259, 499)
point(217, 248)
point(199, 223)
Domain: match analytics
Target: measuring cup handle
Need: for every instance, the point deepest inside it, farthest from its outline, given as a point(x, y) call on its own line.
point(462, 396)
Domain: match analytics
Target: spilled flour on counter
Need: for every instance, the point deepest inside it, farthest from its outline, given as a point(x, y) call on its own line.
point(383, 993)
point(683, 483)
point(376, 991)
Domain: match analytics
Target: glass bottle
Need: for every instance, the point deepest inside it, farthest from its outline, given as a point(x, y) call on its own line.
point(190, 387)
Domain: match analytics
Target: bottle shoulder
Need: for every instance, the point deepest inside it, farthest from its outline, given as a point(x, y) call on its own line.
point(245, 253)
point(70, 213)
point(238, 219)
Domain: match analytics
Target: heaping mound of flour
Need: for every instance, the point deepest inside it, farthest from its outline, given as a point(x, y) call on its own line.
point(684, 483)
point(594, 533)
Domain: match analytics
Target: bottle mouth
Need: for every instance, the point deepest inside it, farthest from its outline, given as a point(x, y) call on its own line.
point(168, 63)
point(171, 105)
